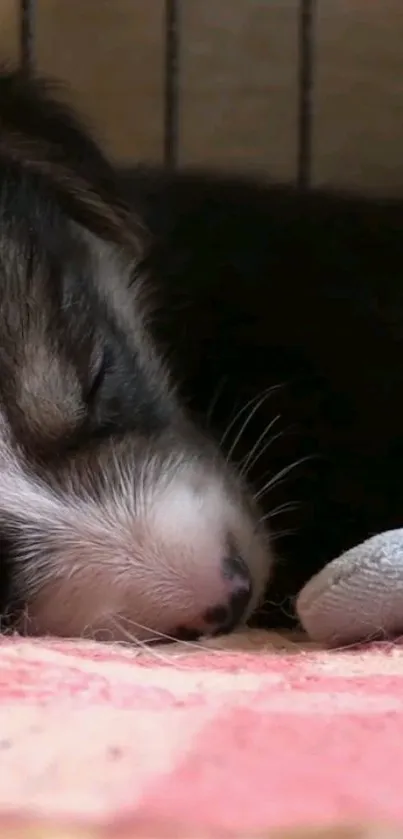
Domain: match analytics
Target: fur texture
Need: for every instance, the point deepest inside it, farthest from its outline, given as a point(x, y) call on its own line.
point(280, 319)
point(118, 518)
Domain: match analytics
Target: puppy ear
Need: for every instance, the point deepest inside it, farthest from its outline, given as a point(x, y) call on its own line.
point(43, 136)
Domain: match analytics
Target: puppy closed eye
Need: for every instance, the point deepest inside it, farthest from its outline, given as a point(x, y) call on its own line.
point(119, 396)
point(106, 394)
point(102, 364)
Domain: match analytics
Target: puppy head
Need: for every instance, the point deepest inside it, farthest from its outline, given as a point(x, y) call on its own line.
point(118, 518)
point(121, 520)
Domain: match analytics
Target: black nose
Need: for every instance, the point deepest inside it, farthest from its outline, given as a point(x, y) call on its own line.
point(226, 616)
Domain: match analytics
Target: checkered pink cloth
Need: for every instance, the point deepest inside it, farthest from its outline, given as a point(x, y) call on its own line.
point(228, 739)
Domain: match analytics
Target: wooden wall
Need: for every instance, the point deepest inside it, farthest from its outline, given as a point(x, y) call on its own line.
point(239, 74)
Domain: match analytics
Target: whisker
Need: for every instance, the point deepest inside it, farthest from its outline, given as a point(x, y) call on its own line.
point(288, 507)
point(275, 480)
point(143, 645)
point(252, 457)
point(166, 637)
point(279, 534)
point(267, 445)
point(245, 424)
point(258, 396)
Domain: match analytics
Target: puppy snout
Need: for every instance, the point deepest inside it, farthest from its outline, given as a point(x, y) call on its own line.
point(240, 590)
point(223, 617)
point(175, 553)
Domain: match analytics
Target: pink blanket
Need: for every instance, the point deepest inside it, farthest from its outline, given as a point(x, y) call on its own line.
point(243, 736)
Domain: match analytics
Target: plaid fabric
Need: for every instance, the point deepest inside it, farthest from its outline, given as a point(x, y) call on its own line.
point(238, 738)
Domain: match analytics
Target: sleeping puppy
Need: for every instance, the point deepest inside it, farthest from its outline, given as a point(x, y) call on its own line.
point(119, 517)
point(130, 508)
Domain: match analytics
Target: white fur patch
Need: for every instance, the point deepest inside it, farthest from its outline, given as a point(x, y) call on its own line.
point(142, 558)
